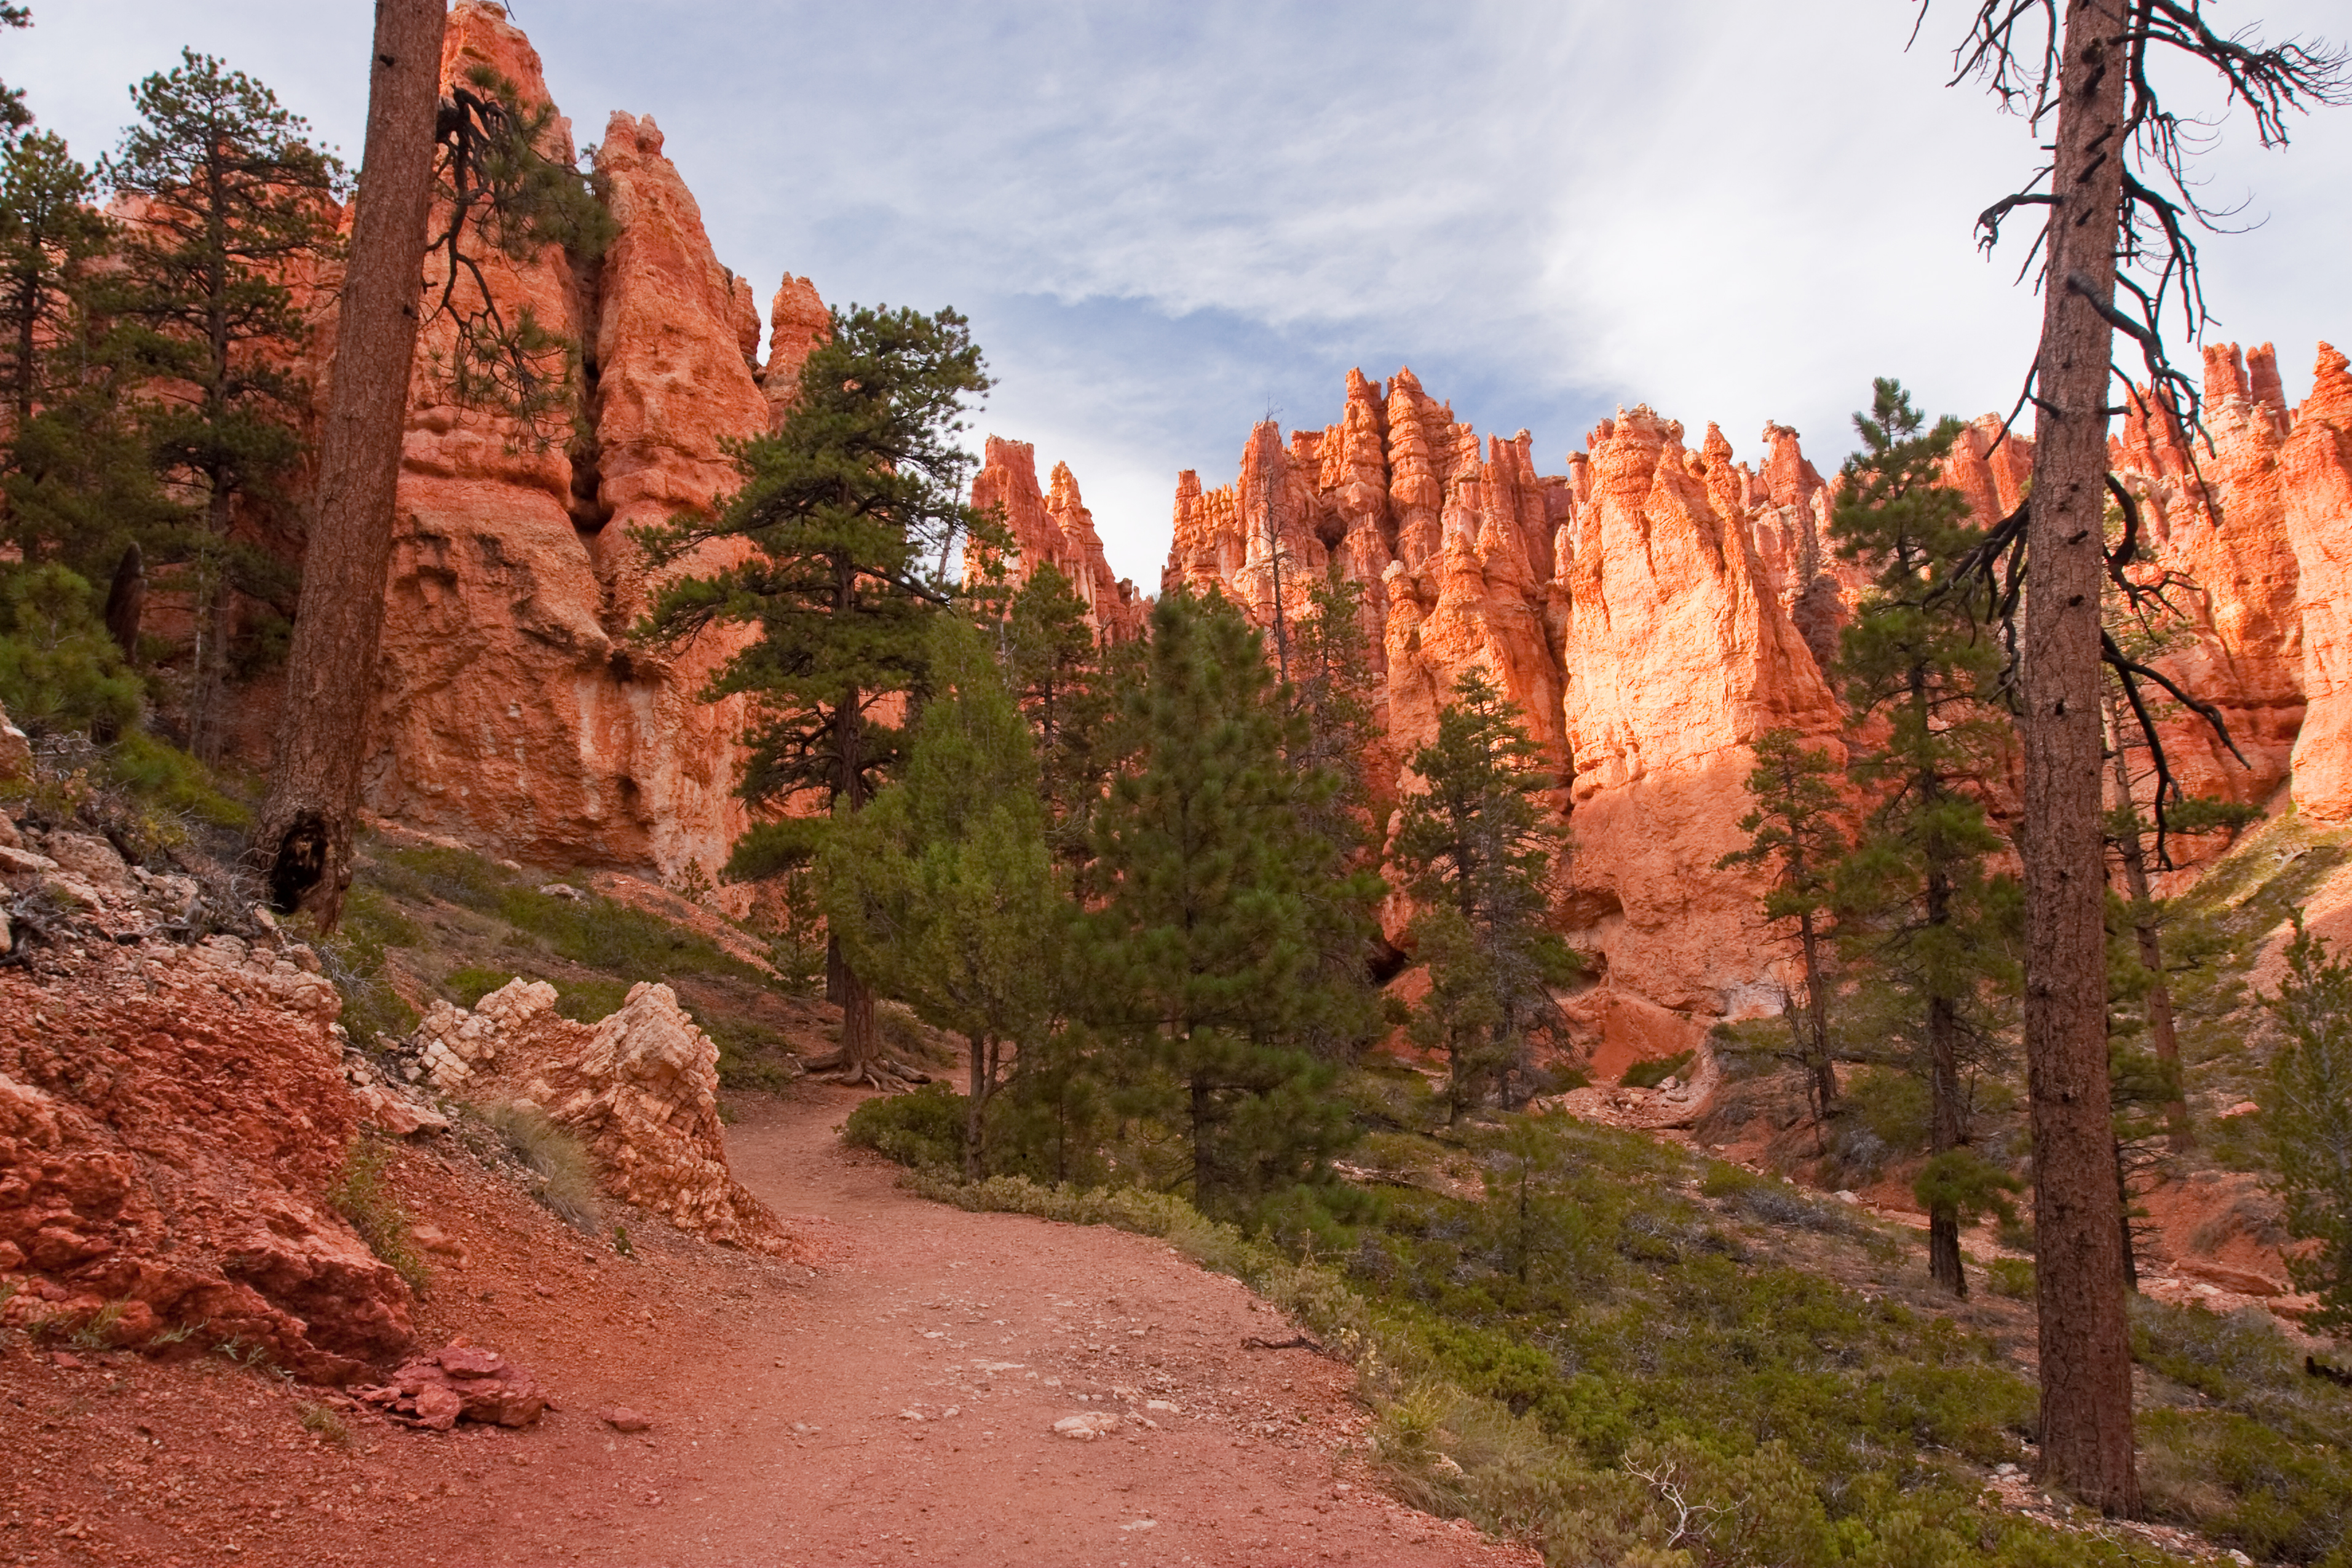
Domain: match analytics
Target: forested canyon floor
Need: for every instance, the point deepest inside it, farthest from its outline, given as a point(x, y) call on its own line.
point(891, 1399)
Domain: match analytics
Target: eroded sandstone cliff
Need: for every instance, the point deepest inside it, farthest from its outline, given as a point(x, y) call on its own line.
point(512, 709)
point(1052, 528)
point(1657, 608)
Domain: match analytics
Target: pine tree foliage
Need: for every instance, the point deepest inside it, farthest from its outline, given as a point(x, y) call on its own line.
point(1477, 847)
point(851, 514)
point(942, 891)
point(1793, 835)
point(1200, 956)
point(75, 467)
point(1336, 732)
point(231, 197)
point(506, 185)
point(1059, 679)
point(13, 115)
point(846, 510)
point(2307, 1122)
point(1929, 916)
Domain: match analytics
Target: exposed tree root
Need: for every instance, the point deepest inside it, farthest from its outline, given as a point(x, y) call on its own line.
point(881, 1072)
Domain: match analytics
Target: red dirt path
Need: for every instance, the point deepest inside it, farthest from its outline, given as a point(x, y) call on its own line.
point(784, 1406)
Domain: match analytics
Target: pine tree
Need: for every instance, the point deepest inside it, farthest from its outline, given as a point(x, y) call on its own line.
point(1199, 956)
point(1793, 832)
point(2121, 197)
point(231, 195)
point(302, 841)
point(942, 889)
point(1058, 676)
point(503, 176)
point(1919, 680)
point(1336, 734)
point(13, 115)
point(850, 513)
point(2307, 1122)
point(74, 467)
point(1476, 847)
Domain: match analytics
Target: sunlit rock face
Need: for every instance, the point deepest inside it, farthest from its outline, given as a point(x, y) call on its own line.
point(1051, 528)
point(1644, 610)
point(2315, 482)
point(1658, 607)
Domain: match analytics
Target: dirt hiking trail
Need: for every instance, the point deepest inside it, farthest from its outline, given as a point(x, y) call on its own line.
point(895, 1404)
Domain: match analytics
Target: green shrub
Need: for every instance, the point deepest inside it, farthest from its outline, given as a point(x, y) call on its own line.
point(1890, 1106)
point(467, 986)
point(59, 669)
point(924, 1129)
point(594, 932)
point(169, 778)
point(2011, 1277)
point(362, 1197)
point(2247, 1487)
point(1652, 1073)
point(566, 1175)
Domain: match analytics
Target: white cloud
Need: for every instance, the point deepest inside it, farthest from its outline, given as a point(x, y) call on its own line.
point(1161, 218)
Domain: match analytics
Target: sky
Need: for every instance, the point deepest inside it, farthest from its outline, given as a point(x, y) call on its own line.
point(1166, 221)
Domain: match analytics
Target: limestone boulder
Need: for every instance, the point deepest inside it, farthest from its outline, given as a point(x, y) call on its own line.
point(640, 1089)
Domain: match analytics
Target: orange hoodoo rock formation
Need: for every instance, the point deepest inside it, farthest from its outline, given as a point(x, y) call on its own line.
point(511, 708)
point(1657, 608)
point(1053, 529)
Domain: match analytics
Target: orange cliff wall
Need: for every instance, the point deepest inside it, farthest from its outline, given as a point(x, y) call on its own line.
point(511, 711)
point(1655, 609)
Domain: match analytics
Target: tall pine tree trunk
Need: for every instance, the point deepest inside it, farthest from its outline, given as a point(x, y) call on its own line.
point(304, 840)
point(2162, 1037)
point(1943, 1136)
point(2086, 1349)
point(1824, 1084)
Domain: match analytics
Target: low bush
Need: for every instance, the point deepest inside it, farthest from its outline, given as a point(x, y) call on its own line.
point(565, 1175)
point(365, 1199)
point(1655, 1071)
point(59, 669)
point(924, 1129)
point(2247, 1487)
point(2010, 1276)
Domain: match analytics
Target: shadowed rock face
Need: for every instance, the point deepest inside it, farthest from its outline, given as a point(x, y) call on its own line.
point(1657, 608)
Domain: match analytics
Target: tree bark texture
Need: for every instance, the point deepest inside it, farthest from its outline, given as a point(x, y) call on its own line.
point(304, 840)
point(2086, 1397)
